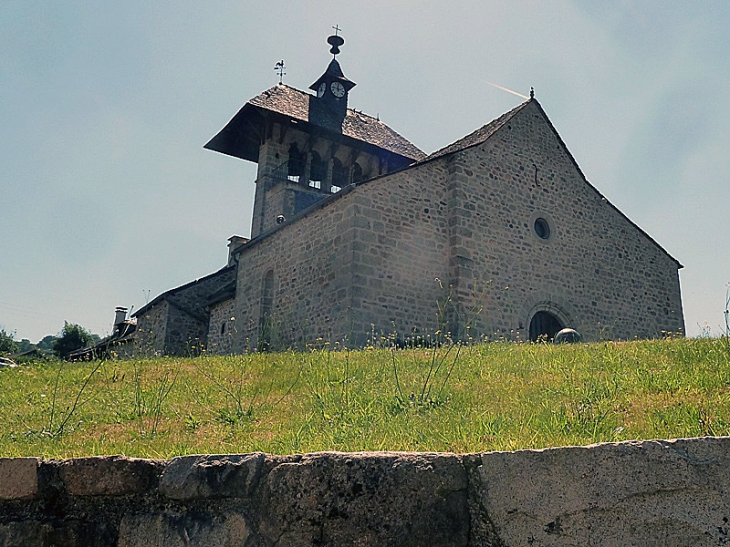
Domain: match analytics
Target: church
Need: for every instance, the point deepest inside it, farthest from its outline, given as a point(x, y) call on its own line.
point(358, 234)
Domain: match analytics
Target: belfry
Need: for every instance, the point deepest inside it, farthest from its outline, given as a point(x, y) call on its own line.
point(309, 146)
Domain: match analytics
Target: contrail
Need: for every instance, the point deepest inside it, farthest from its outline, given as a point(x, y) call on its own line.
point(508, 90)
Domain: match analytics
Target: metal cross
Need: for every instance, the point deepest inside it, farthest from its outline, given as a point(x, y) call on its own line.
point(337, 29)
point(279, 67)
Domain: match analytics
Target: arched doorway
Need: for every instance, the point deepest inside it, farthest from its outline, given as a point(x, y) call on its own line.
point(544, 324)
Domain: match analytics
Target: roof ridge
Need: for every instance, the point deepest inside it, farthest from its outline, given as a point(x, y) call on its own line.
point(479, 135)
point(174, 290)
point(304, 92)
point(298, 104)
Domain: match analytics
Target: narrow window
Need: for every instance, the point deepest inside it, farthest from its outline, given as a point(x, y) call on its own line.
point(267, 303)
point(356, 173)
point(295, 165)
point(317, 171)
point(339, 176)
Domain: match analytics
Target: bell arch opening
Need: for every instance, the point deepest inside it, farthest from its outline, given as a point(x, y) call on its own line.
point(544, 325)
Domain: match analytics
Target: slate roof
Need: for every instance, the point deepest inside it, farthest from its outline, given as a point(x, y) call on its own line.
point(302, 106)
point(478, 136)
point(225, 293)
point(170, 294)
point(124, 332)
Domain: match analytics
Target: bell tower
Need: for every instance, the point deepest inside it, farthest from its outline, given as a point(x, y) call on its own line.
point(309, 146)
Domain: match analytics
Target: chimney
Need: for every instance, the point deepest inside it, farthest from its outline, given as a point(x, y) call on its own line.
point(120, 315)
point(234, 242)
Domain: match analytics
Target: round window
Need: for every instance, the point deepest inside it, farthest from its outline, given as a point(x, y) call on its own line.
point(542, 228)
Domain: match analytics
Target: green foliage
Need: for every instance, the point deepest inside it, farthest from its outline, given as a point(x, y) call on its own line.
point(26, 345)
point(71, 338)
point(60, 418)
point(470, 398)
point(46, 343)
point(7, 344)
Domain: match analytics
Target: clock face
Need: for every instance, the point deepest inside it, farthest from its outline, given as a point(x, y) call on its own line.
point(338, 90)
point(322, 88)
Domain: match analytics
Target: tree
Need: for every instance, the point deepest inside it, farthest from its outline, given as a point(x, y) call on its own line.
point(7, 344)
point(45, 344)
point(26, 345)
point(71, 338)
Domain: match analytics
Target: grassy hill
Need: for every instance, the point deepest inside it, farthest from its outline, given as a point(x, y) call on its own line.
point(496, 396)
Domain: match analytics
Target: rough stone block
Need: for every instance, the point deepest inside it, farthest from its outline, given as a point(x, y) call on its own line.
point(230, 476)
point(18, 478)
point(28, 533)
point(109, 475)
point(55, 532)
point(636, 493)
point(367, 499)
point(226, 530)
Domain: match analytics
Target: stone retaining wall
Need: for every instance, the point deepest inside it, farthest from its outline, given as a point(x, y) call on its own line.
point(633, 493)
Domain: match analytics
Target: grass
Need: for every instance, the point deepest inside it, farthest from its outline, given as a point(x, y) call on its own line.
point(484, 397)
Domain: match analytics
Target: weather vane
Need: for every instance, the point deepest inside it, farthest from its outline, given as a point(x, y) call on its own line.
point(335, 41)
point(279, 67)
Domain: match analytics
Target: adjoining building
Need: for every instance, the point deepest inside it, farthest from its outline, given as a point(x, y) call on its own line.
point(356, 232)
point(122, 342)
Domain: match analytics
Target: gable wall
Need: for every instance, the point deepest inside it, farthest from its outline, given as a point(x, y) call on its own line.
point(150, 333)
point(185, 334)
point(168, 326)
point(222, 328)
point(597, 270)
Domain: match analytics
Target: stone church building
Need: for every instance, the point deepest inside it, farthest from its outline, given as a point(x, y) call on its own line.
point(356, 232)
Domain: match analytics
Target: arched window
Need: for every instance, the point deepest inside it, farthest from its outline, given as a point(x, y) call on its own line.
point(356, 173)
point(317, 171)
point(295, 165)
point(339, 176)
point(266, 323)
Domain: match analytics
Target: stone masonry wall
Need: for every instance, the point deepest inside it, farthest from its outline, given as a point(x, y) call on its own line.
point(178, 323)
point(400, 253)
point(311, 263)
point(150, 333)
point(596, 271)
point(662, 493)
point(185, 334)
point(222, 328)
point(372, 262)
point(451, 243)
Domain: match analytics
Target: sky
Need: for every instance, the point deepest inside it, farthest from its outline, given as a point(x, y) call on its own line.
point(107, 197)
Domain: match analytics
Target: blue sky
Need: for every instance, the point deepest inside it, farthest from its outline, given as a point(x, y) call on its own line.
point(107, 197)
